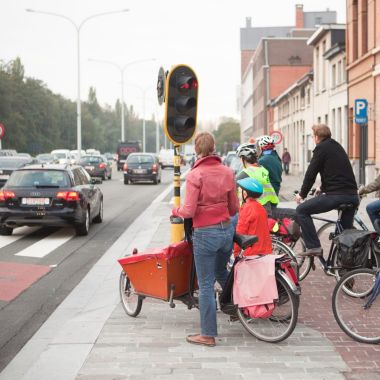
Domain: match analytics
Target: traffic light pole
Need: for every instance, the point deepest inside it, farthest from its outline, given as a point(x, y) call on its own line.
point(177, 229)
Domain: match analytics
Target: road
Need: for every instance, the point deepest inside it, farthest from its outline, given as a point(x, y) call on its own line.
point(43, 265)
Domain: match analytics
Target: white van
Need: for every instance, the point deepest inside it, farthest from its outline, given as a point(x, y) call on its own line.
point(166, 158)
point(63, 155)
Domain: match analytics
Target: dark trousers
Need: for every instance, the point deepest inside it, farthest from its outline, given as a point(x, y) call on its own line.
point(320, 204)
point(286, 167)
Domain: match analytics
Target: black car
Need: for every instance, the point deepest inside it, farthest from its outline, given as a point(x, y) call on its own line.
point(10, 163)
point(96, 166)
point(142, 167)
point(50, 195)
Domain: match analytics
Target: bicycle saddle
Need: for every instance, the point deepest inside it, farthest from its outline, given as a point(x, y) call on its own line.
point(245, 241)
point(345, 206)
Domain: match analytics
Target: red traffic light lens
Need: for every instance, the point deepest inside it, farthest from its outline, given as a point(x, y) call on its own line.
point(187, 83)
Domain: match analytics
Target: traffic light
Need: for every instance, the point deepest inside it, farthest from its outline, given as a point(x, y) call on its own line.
point(181, 95)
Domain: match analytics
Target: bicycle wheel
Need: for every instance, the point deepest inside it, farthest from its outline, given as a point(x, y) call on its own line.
point(280, 248)
point(304, 263)
point(362, 325)
point(282, 321)
point(131, 302)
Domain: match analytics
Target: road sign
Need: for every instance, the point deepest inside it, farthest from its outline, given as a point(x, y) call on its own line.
point(361, 108)
point(2, 130)
point(277, 136)
point(161, 86)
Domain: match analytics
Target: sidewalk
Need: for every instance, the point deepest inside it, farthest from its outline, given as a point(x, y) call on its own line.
point(89, 337)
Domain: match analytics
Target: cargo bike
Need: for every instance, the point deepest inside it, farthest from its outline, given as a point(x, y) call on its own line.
point(169, 274)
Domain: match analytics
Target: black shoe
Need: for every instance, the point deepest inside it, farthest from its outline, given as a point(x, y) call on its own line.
point(311, 252)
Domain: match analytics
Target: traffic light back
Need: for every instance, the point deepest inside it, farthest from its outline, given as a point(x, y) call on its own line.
point(181, 104)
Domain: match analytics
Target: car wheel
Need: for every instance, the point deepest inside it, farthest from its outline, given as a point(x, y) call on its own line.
point(99, 218)
point(110, 176)
point(104, 177)
point(83, 228)
point(126, 181)
point(6, 231)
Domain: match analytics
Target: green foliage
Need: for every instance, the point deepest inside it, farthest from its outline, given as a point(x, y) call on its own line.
point(37, 121)
point(227, 135)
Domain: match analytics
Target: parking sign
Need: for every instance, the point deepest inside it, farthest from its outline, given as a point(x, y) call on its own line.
point(361, 107)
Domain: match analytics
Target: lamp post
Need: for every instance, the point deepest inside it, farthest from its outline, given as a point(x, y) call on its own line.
point(122, 69)
point(78, 28)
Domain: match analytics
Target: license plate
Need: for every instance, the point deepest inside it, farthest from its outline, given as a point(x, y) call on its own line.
point(4, 176)
point(89, 168)
point(139, 171)
point(35, 201)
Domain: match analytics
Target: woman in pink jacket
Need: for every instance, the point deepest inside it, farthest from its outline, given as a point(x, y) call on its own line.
point(210, 200)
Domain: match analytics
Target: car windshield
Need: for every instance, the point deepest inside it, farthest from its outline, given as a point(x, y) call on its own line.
point(12, 163)
point(45, 157)
point(61, 155)
point(140, 160)
point(39, 178)
point(91, 160)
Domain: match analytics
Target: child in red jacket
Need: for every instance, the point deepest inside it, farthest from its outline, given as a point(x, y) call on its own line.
point(253, 219)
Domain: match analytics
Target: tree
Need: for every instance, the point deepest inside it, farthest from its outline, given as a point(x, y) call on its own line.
point(227, 135)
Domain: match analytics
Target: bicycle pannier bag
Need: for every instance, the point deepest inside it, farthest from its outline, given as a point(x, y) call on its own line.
point(353, 247)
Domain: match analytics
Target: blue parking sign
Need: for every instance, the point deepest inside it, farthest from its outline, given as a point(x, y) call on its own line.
point(361, 107)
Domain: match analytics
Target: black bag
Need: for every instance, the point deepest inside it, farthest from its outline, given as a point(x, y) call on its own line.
point(353, 247)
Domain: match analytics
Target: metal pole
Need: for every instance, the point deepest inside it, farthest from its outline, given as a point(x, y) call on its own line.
point(177, 229)
point(157, 136)
point(122, 106)
point(79, 112)
point(144, 142)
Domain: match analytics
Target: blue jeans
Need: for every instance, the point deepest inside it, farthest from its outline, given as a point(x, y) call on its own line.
point(212, 250)
point(320, 204)
point(373, 211)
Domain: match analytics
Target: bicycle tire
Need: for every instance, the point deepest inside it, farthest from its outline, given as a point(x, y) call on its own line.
point(362, 325)
point(285, 315)
point(280, 248)
point(132, 303)
point(304, 263)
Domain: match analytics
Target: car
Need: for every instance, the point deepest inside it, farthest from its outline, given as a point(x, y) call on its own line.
point(229, 157)
point(47, 158)
point(166, 158)
point(10, 163)
point(50, 195)
point(93, 152)
point(63, 155)
point(8, 152)
point(96, 166)
point(109, 164)
point(142, 167)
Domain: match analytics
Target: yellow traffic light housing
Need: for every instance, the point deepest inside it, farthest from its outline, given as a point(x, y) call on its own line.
point(181, 95)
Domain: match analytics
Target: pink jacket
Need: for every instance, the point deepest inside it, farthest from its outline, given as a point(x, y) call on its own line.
point(210, 193)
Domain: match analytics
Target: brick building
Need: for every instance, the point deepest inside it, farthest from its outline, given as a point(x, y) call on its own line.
point(363, 73)
point(272, 58)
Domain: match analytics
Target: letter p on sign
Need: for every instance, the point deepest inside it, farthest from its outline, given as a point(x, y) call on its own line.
point(361, 106)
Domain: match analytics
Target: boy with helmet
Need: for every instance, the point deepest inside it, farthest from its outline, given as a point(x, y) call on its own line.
point(248, 154)
point(271, 161)
point(253, 218)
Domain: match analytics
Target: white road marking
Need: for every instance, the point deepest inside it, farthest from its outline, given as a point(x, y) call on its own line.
point(48, 244)
point(18, 233)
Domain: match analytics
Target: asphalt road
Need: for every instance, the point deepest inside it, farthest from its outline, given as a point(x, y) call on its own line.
point(66, 258)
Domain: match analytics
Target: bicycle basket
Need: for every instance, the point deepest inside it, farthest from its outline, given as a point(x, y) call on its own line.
point(353, 247)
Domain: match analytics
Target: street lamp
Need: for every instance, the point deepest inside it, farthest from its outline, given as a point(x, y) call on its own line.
point(122, 69)
point(78, 28)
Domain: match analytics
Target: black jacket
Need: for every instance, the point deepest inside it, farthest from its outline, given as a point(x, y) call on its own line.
point(331, 161)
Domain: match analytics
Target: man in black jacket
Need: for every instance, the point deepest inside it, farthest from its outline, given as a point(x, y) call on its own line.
point(338, 186)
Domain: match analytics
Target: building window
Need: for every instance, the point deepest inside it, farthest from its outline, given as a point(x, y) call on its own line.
point(339, 73)
point(327, 119)
point(339, 126)
point(319, 120)
point(333, 76)
point(333, 125)
point(355, 29)
point(308, 96)
point(316, 78)
point(364, 26)
point(344, 73)
point(323, 65)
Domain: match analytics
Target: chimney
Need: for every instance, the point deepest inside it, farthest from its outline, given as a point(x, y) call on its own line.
point(248, 22)
point(299, 16)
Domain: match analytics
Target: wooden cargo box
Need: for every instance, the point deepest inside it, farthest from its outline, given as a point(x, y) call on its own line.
point(155, 272)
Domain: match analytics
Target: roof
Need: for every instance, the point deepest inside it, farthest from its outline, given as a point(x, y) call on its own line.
point(323, 29)
point(250, 37)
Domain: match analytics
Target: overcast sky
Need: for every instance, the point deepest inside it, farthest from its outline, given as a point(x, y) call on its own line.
point(201, 33)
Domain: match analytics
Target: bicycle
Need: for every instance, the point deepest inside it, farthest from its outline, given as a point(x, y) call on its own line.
point(273, 329)
point(356, 305)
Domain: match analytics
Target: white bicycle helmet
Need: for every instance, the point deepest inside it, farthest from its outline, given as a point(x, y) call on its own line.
point(265, 141)
point(246, 149)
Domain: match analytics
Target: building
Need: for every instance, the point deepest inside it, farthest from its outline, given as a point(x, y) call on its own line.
point(330, 85)
point(272, 58)
point(293, 116)
point(363, 76)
